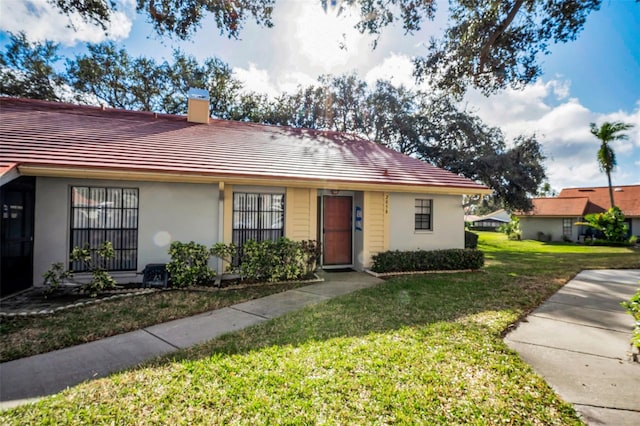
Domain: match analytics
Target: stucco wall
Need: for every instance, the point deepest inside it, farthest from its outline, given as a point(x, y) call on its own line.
point(448, 223)
point(358, 235)
point(167, 212)
point(552, 226)
point(635, 227)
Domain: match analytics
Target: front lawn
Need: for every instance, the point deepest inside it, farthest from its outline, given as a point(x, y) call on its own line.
point(414, 350)
point(25, 336)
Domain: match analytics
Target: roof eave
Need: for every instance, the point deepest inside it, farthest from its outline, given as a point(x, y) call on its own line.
point(239, 179)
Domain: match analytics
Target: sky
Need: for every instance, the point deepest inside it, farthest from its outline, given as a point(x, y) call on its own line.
point(595, 78)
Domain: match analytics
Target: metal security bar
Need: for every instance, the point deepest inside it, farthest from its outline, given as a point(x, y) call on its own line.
point(100, 214)
point(257, 217)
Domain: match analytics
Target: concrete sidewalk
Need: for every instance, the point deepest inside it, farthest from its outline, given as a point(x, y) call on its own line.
point(579, 341)
point(25, 379)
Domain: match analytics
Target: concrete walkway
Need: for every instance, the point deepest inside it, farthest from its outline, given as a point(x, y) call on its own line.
point(26, 379)
point(578, 340)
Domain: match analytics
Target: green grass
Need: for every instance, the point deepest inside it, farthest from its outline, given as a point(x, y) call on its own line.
point(25, 336)
point(413, 350)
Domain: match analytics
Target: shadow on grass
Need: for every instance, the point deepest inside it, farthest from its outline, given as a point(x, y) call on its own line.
point(392, 305)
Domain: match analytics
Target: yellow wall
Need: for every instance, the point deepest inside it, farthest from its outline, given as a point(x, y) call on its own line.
point(301, 214)
point(227, 233)
point(375, 225)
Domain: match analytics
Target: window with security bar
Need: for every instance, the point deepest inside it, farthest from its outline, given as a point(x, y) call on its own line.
point(100, 214)
point(257, 217)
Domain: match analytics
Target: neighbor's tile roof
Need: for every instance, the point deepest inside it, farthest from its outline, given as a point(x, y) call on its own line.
point(567, 207)
point(627, 197)
point(56, 134)
point(581, 201)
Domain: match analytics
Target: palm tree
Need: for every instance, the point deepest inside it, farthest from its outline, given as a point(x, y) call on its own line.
point(609, 132)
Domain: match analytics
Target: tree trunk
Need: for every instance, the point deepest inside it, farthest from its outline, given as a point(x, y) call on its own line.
point(610, 189)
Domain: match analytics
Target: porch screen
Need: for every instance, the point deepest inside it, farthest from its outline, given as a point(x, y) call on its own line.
point(100, 214)
point(257, 217)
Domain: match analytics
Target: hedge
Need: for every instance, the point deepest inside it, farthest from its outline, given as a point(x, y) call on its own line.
point(422, 260)
point(470, 240)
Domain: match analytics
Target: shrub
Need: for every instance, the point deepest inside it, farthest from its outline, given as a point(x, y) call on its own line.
point(512, 229)
point(609, 243)
point(470, 240)
point(269, 261)
point(632, 306)
point(55, 276)
point(189, 264)
point(421, 260)
point(96, 261)
point(610, 224)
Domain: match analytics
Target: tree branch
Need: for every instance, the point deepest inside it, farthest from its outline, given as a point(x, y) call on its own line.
point(500, 29)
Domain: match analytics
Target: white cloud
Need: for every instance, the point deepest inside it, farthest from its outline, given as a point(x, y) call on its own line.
point(41, 21)
point(255, 80)
point(397, 68)
point(562, 126)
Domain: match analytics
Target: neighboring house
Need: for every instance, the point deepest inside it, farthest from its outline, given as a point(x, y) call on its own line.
point(555, 218)
point(76, 175)
point(488, 222)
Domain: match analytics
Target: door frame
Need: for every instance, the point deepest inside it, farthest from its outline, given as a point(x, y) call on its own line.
point(321, 195)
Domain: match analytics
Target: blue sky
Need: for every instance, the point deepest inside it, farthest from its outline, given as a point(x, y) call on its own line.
point(593, 79)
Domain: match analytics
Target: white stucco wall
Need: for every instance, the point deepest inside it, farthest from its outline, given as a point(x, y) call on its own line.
point(635, 227)
point(448, 223)
point(531, 226)
point(167, 212)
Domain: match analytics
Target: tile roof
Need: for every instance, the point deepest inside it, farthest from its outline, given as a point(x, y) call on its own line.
point(627, 197)
point(581, 201)
point(567, 207)
point(40, 133)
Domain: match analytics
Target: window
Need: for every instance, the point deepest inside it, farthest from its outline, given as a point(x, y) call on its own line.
point(567, 227)
point(100, 214)
point(257, 217)
point(423, 215)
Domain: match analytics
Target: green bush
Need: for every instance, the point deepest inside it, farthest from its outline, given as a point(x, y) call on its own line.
point(421, 260)
point(270, 261)
point(512, 229)
point(189, 264)
point(610, 223)
point(96, 261)
point(93, 261)
point(470, 240)
point(632, 307)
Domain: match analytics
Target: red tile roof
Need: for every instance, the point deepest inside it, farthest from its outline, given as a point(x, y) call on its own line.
point(627, 197)
point(567, 207)
point(40, 133)
point(581, 201)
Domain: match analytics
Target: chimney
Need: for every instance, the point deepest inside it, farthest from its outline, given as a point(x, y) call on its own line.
point(198, 106)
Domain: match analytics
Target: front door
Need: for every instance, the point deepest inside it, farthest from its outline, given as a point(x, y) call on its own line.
point(337, 230)
point(17, 200)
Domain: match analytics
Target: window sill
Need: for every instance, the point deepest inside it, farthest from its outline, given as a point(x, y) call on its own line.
point(423, 231)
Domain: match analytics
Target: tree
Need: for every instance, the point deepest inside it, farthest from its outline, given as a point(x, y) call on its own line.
point(105, 74)
point(110, 75)
point(392, 117)
point(28, 69)
point(607, 133)
point(488, 44)
point(494, 44)
point(431, 128)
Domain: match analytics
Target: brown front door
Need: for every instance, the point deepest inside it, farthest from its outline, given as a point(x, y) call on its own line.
point(337, 231)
